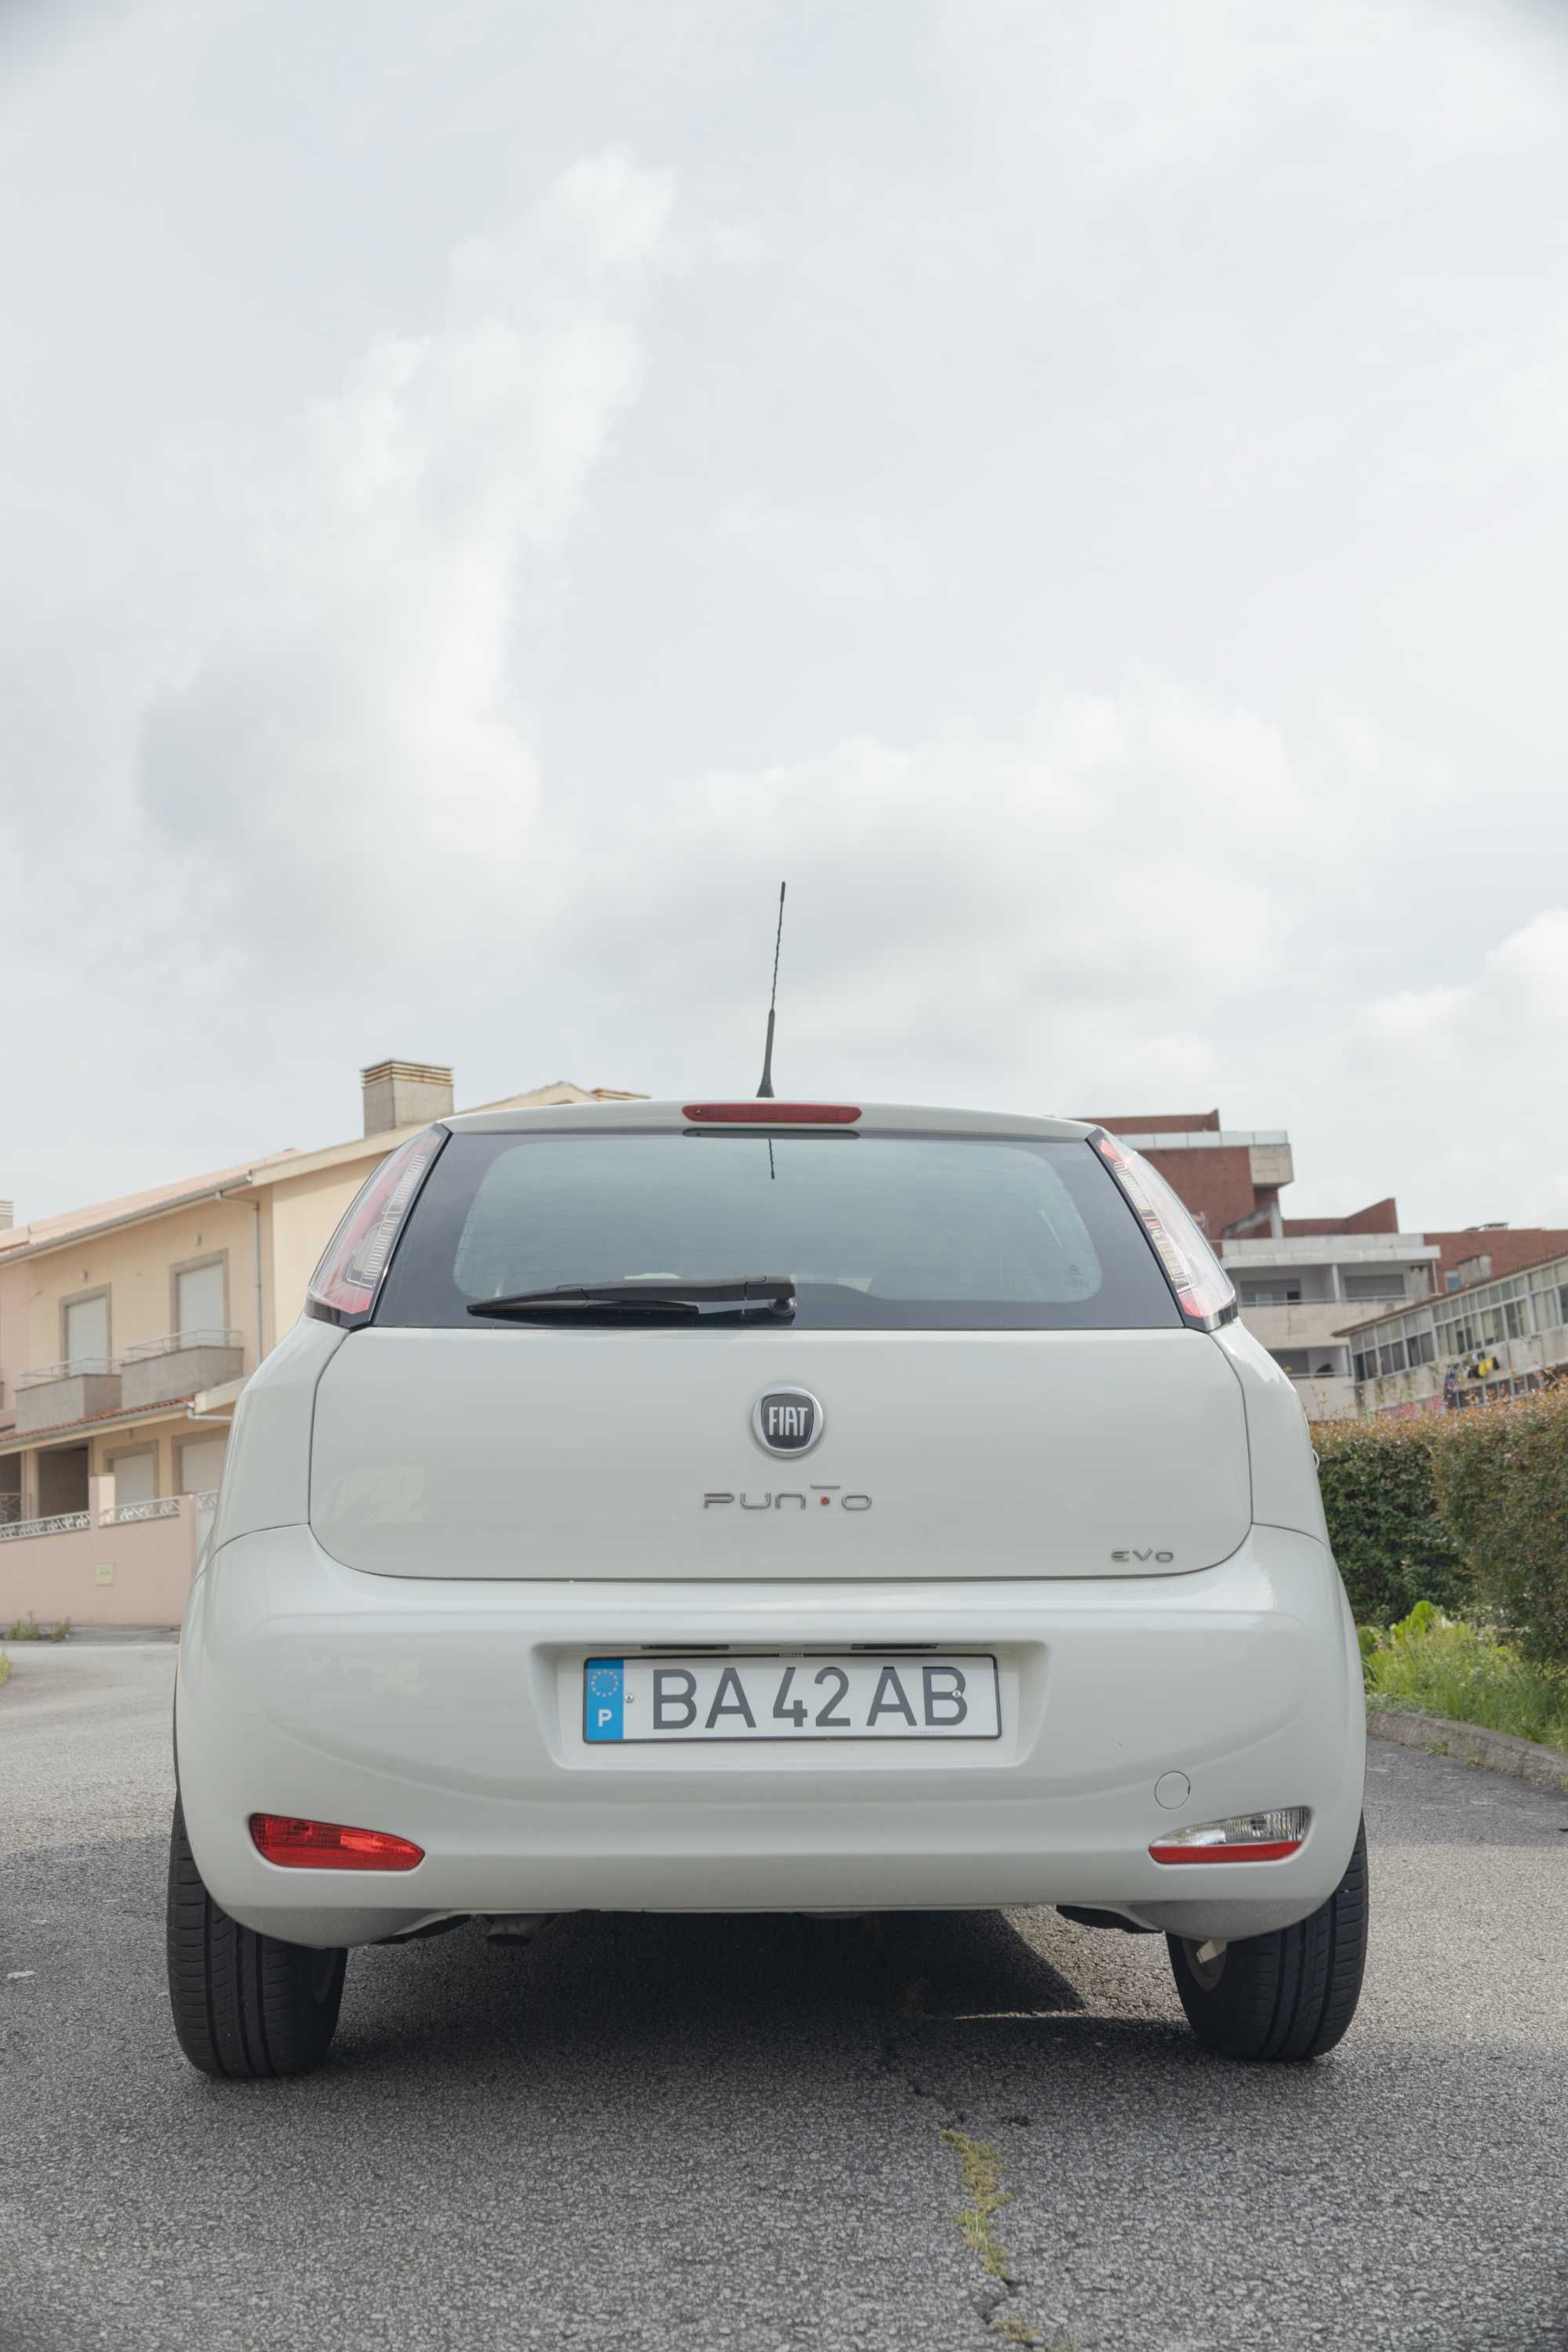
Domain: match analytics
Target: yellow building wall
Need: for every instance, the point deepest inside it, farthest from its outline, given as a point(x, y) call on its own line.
point(136, 1263)
point(164, 1436)
point(302, 1216)
point(285, 1225)
point(14, 1289)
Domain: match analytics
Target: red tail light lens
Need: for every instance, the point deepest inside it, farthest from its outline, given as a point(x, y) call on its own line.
point(772, 1114)
point(1202, 1288)
point(1245, 1837)
point(343, 1287)
point(327, 1845)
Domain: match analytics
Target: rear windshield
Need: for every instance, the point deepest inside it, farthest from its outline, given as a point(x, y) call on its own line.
point(877, 1232)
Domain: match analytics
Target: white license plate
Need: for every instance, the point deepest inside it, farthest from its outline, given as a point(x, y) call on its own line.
point(858, 1695)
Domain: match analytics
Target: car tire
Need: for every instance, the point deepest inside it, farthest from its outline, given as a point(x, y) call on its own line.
point(245, 2006)
point(1284, 1997)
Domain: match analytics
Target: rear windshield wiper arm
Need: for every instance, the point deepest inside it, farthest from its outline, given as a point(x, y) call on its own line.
point(678, 1301)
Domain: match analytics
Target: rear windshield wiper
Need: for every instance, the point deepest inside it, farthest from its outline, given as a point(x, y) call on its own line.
point(677, 1301)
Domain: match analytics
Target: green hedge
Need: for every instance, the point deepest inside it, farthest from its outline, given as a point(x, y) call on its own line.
point(1468, 1510)
point(1502, 1485)
point(1379, 1497)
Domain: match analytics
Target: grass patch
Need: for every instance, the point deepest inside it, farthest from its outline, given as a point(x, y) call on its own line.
point(1443, 1666)
point(5, 1669)
point(27, 1629)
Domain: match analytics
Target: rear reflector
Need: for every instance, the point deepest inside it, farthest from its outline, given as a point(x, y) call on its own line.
point(1246, 1837)
point(773, 1114)
point(327, 1845)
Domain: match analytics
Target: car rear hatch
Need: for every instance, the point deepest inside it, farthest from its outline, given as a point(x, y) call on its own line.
point(608, 1453)
point(1000, 1381)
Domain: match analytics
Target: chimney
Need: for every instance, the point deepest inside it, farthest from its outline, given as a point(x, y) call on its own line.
point(7, 1215)
point(404, 1094)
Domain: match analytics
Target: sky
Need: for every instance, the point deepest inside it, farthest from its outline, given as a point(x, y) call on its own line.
point(1080, 490)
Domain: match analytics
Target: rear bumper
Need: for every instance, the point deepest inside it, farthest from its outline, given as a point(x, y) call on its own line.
point(448, 1712)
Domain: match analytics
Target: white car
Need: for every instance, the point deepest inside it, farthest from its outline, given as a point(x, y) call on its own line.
point(766, 1506)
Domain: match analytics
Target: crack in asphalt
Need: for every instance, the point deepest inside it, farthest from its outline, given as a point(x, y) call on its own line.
point(997, 2300)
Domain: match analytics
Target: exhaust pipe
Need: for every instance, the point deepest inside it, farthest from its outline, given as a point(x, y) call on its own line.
point(515, 1927)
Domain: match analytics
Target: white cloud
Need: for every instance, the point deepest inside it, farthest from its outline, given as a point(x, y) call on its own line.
point(1077, 489)
point(350, 751)
point(1475, 1067)
point(840, 558)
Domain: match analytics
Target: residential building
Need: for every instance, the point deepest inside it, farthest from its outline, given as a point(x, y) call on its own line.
point(1300, 1280)
point(1298, 1294)
point(128, 1330)
point(1502, 1336)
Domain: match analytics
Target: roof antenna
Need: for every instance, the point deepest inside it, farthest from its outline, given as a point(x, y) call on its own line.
point(765, 1091)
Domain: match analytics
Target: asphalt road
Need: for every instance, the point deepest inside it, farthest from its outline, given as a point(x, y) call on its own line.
point(652, 2134)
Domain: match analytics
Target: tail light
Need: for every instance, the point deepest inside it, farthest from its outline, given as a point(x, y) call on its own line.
point(344, 1285)
point(1245, 1837)
point(1202, 1288)
point(768, 1113)
point(327, 1845)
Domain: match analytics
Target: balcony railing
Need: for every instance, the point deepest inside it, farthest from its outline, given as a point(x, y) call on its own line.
point(75, 1368)
point(61, 1523)
point(125, 1514)
point(1210, 1139)
point(170, 1343)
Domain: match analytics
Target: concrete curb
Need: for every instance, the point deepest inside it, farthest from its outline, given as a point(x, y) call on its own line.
point(1470, 1743)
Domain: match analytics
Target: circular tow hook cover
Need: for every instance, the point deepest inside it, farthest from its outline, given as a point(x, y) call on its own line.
point(786, 1421)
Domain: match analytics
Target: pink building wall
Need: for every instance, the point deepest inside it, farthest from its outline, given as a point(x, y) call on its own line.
point(152, 1563)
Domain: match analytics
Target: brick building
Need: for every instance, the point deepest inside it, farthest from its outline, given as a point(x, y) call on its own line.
point(1300, 1281)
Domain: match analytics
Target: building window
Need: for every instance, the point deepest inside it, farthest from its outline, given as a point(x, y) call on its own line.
point(135, 1476)
point(200, 1464)
point(1513, 1317)
point(1422, 1348)
point(84, 1327)
point(201, 1304)
point(1270, 1293)
point(1375, 1285)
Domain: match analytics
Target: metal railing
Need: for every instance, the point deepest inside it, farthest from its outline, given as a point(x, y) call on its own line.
point(74, 1368)
point(61, 1523)
point(168, 1343)
point(1209, 1139)
point(171, 1343)
point(123, 1515)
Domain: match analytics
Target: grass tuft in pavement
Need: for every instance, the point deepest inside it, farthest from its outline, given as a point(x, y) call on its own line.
point(27, 1629)
point(980, 2168)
